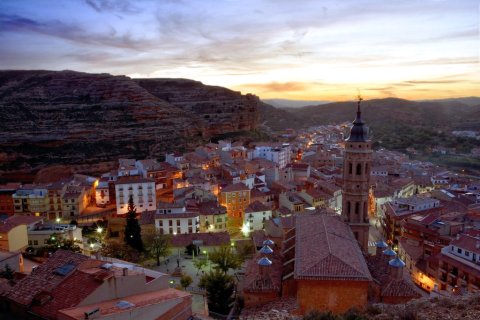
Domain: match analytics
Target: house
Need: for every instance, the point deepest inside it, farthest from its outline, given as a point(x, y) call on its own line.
point(73, 286)
point(175, 219)
point(235, 197)
point(102, 193)
point(39, 235)
point(14, 260)
point(213, 217)
point(278, 153)
point(255, 216)
point(6, 200)
point(459, 264)
point(142, 191)
point(13, 232)
point(31, 199)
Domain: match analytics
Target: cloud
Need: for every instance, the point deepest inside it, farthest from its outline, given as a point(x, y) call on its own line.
point(117, 6)
point(278, 86)
point(71, 32)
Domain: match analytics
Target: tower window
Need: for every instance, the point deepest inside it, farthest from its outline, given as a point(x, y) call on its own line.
point(366, 168)
point(359, 169)
point(350, 168)
point(357, 207)
point(365, 208)
point(348, 207)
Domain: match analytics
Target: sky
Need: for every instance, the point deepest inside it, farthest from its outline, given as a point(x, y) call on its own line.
point(291, 49)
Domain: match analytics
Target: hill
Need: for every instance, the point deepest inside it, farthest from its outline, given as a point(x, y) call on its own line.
point(74, 118)
point(396, 123)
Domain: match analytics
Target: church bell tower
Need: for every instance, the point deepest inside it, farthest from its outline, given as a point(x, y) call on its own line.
point(356, 179)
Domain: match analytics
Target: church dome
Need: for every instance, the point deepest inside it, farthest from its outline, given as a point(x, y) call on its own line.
point(389, 252)
point(359, 131)
point(397, 263)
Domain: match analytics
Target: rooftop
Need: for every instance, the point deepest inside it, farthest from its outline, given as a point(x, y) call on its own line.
point(326, 249)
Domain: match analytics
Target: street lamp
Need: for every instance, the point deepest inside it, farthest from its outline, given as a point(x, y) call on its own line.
point(58, 220)
point(99, 229)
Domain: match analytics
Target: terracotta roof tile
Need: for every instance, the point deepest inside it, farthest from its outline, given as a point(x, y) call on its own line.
point(44, 278)
point(69, 293)
point(209, 239)
point(326, 249)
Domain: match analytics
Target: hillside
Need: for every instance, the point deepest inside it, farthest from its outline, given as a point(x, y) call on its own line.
point(74, 118)
point(395, 123)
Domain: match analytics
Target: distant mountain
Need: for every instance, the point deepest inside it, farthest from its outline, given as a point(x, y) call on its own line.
point(469, 101)
point(395, 123)
point(285, 103)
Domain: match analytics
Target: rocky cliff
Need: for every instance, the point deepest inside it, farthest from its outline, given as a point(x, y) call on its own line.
point(218, 109)
point(75, 118)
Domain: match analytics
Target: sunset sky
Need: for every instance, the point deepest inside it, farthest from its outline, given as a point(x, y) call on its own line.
point(293, 49)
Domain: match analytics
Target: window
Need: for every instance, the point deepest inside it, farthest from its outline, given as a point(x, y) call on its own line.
point(170, 223)
point(459, 250)
point(179, 230)
point(29, 242)
point(190, 230)
point(366, 168)
point(350, 168)
point(178, 223)
point(357, 207)
point(35, 242)
point(348, 207)
point(160, 223)
point(467, 253)
point(359, 169)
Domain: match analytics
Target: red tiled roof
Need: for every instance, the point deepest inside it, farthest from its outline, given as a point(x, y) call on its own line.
point(69, 293)
point(133, 179)
point(109, 308)
point(325, 249)
point(235, 187)
point(399, 288)
point(14, 221)
point(256, 206)
point(468, 243)
point(43, 278)
point(211, 207)
point(209, 239)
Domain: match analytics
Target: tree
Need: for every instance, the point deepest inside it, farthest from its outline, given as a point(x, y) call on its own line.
point(157, 245)
point(224, 259)
point(219, 287)
point(117, 250)
point(132, 228)
point(199, 264)
point(185, 281)
point(8, 273)
point(56, 241)
point(192, 249)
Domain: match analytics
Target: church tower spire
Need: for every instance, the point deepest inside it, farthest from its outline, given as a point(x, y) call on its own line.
point(356, 179)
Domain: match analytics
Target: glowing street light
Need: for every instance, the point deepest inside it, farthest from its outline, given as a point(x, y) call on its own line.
point(245, 229)
point(58, 220)
point(99, 229)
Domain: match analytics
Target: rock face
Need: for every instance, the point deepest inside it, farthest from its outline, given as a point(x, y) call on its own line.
point(219, 110)
point(68, 117)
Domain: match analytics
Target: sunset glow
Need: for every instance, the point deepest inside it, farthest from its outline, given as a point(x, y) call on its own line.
point(318, 50)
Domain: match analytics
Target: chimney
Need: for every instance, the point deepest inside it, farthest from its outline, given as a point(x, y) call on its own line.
point(125, 272)
point(395, 267)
